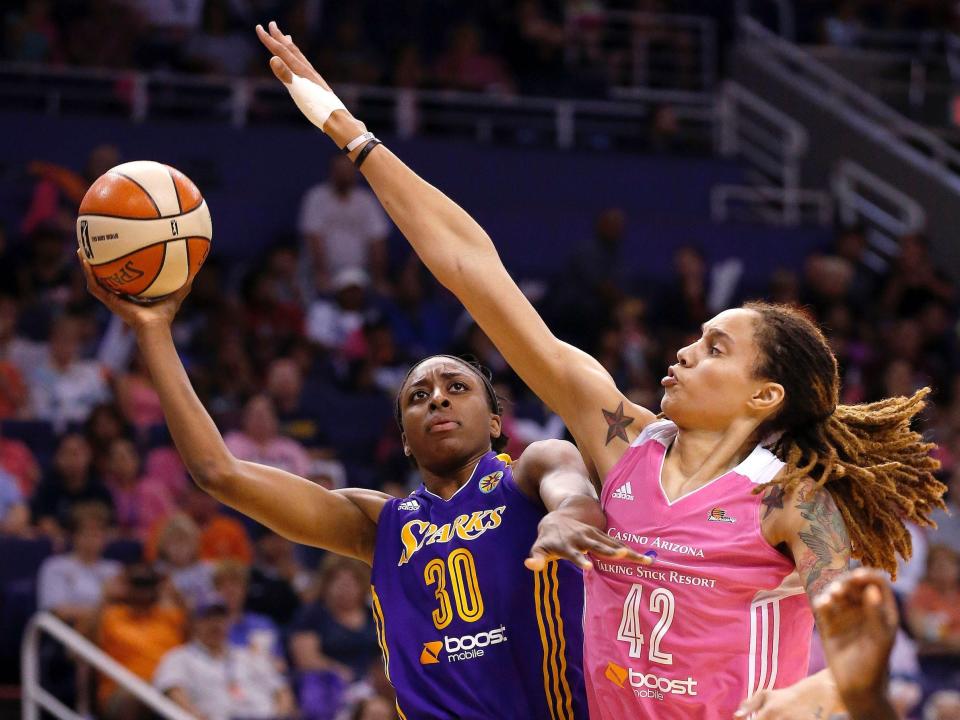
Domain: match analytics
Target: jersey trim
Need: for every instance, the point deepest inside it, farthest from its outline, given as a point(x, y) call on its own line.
point(381, 633)
point(552, 639)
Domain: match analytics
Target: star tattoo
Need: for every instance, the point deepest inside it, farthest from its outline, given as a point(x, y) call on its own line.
point(617, 424)
point(773, 500)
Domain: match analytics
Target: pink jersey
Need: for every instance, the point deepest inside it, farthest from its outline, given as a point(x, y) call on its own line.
point(717, 617)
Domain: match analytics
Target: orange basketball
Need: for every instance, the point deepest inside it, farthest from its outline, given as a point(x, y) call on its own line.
point(145, 229)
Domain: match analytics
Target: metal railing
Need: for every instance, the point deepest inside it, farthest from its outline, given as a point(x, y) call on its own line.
point(772, 145)
point(863, 197)
point(407, 112)
point(644, 50)
point(786, 22)
point(34, 698)
point(797, 68)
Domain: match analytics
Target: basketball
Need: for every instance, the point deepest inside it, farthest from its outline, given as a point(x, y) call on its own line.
point(145, 229)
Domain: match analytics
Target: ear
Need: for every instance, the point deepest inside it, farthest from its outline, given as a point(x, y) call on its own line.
point(406, 448)
point(496, 425)
point(767, 399)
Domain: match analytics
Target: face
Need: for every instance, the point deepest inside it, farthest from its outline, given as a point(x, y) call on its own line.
point(446, 415)
point(342, 175)
point(233, 590)
point(712, 384)
point(65, 341)
point(180, 548)
point(212, 629)
point(89, 539)
point(124, 463)
point(284, 380)
point(344, 590)
point(73, 457)
point(259, 419)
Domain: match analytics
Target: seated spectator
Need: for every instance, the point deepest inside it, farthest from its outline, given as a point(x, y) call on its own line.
point(220, 49)
point(465, 65)
point(261, 442)
point(17, 460)
point(251, 630)
point(419, 322)
point(178, 557)
point(374, 708)
point(285, 388)
point(933, 613)
point(330, 323)
point(71, 481)
point(137, 632)
point(342, 227)
point(948, 520)
point(215, 680)
point(64, 388)
point(336, 632)
point(221, 537)
point(74, 584)
point(32, 34)
point(277, 582)
point(14, 349)
point(104, 425)
point(14, 515)
point(137, 398)
point(115, 25)
point(140, 502)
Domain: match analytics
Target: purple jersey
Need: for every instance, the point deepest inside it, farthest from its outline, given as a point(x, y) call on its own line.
point(466, 630)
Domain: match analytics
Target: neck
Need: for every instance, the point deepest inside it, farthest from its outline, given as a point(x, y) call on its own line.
point(86, 558)
point(446, 483)
point(702, 455)
point(214, 650)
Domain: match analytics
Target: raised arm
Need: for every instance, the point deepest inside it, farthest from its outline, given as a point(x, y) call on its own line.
point(343, 522)
point(462, 257)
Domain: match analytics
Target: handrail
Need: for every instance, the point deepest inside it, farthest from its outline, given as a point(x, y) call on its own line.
point(828, 87)
point(901, 214)
point(786, 16)
point(34, 697)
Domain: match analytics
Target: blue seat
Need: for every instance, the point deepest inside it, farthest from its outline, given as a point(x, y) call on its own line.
point(38, 435)
point(124, 551)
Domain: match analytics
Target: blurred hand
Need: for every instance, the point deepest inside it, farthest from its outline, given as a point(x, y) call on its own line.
point(134, 314)
point(812, 697)
point(562, 537)
point(857, 617)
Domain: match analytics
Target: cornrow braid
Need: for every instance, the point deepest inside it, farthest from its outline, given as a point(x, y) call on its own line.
point(879, 471)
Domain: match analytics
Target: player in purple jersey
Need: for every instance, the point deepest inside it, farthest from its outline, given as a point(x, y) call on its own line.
point(466, 630)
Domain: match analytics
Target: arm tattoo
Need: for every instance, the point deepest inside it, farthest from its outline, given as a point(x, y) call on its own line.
point(773, 500)
point(825, 537)
point(617, 424)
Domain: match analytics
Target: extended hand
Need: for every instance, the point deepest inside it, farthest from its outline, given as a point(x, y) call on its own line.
point(561, 537)
point(135, 315)
point(813, 698)
point(857, 617)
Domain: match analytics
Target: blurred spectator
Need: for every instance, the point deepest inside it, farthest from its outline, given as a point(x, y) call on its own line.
point(169, 25)
point(330, 323)
point(137, 632)
point(140, 501)
point(216, 680)
point(64, 388)
point(377, 364)
point(14, 515)
point(914, 280)
point(948, 520)
point(32, 35)
point(137, 398)
point(466, 66)
point(116, 28)
point(336, 632)
point(844, 27)
point(350, 58)
point(17, 460)
point(220, 49)
point(221, 537)
point(260, 441)
point(71, 481)
point(943, 705)
point(933, 613)
point(273, 312)
point(258, 633)
point(178, 557)
point(342, 226)
point(420, 323)
point(74, 584)
point(19, 352)
point(374, 708)
point(104, 425)
point(285, 389)
point(277, 581)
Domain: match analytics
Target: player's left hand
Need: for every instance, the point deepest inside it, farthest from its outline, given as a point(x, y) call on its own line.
point(813, 698)
point(562, 537)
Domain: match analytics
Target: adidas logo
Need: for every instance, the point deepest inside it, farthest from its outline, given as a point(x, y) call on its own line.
point(624, 492)
point(411, 504)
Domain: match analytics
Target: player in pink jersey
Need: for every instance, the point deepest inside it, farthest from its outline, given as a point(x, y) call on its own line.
point(753, 492)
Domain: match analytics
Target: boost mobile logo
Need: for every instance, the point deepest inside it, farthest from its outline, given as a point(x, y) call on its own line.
point(648, 685)
point(465, 647)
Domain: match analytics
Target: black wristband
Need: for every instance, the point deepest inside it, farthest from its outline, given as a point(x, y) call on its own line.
point(366, 151)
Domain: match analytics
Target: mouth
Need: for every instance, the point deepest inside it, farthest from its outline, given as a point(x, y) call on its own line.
point(442, 424)
point(670, 380)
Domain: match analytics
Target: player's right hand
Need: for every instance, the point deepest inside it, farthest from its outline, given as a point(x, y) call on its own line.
point(137, 316)
point(562, 537)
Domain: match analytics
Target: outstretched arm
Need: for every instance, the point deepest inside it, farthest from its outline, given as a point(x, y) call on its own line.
point(462, 257)
point(553, 472)
point(343, 521)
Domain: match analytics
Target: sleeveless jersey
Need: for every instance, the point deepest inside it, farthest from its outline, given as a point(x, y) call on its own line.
point(466, 630)
point(720, 614)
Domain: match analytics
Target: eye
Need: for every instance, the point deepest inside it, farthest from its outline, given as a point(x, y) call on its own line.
point(417, 395)
point(714, 350)
point(458, 386)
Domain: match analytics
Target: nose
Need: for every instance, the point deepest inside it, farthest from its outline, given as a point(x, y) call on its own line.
point(684, 356)
point(438, 399)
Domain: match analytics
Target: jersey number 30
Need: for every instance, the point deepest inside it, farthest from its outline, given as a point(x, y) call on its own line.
point(662, 602)
point(464, 583)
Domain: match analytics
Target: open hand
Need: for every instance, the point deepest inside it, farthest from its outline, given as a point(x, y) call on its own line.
point(561, 537)
point(137, 316)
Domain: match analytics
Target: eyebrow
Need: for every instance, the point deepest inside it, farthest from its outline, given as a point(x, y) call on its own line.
point(717, 331)
point(446, 374)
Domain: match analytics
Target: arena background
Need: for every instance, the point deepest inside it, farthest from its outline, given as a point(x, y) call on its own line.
point(640, 165)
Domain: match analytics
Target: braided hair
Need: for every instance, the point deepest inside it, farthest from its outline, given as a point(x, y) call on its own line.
point(879, 471)
point(483, 373)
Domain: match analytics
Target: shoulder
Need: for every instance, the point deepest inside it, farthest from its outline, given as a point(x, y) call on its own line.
point(370, 502)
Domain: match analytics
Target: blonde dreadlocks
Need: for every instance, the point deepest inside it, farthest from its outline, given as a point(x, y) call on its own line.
point(878, 470)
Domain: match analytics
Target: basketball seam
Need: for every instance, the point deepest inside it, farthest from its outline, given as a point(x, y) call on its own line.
point(176, 190)
point(163, 259)
point(145, 192)
point(159, 217)
point(144, 247)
